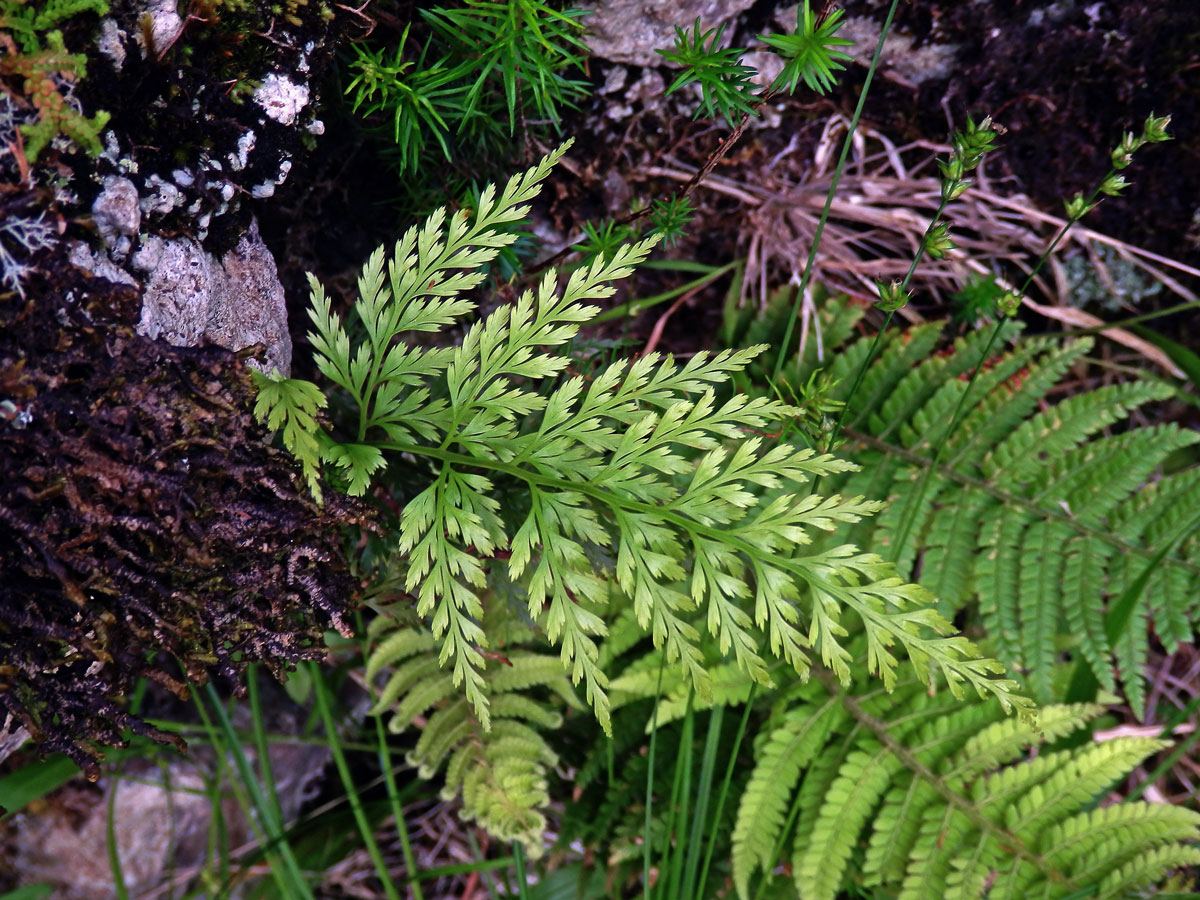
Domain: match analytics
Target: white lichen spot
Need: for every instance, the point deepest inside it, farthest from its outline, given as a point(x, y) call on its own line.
point(281, 99)
point(237, 161)
point(164, 197)
point(267, 188)
point(302, 66)
point(112, 153)
point(183, 178)
point(111, 43)
point(316, 126)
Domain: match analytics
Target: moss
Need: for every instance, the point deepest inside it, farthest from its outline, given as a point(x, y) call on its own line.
point(36, 60)
point(144, 518)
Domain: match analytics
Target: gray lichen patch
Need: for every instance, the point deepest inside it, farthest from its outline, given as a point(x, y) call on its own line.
point(117, 214)
point(235, 301)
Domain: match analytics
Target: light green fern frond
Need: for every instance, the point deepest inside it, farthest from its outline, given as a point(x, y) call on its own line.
point(914, 796)
point(710, 529)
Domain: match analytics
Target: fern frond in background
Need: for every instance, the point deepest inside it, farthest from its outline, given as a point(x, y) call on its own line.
point(1040, 513)
point(920, 797)
point(706, 537)
point(502, 772)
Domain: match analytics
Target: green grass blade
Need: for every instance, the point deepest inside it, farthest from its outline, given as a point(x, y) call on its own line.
point(32, 781)
point(723, 796)
point(708, 767)
point(279, 852)
point(324, 706)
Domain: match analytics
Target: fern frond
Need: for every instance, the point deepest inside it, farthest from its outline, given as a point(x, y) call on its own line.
point(1147, 870)
point(1094, 844)
point(500, 767)
point(1039, 512)
point(711, 530)
point(948, 802)
point(292, 404)
point(788, 749)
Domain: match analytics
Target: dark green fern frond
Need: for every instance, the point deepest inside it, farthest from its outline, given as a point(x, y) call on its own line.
point(1041, 512)
point(913, 797)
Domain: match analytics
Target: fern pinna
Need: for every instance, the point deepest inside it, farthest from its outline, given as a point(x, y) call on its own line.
point(707, 526)
point(1042, 513)
point(916, 796)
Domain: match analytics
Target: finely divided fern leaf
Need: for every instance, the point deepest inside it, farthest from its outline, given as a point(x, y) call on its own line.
point(710, 528)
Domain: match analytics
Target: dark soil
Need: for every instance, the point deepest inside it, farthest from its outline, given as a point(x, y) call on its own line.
point(1067, 80)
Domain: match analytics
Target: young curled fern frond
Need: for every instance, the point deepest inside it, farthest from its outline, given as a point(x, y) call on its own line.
point(709, 525)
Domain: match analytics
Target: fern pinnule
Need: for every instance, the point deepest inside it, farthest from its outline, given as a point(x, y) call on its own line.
point(1146, 870)
point(1116, 834)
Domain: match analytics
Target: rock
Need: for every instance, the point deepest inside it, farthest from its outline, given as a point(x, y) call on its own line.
point(178, 290)
point(235, 302)
point(163, 25)
point(902, 60)
point(162, 817)
point(766, 64)
point(248, 306)
point(154, 826)
point(116, 214)
point(629, 31)
point(98, 264)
